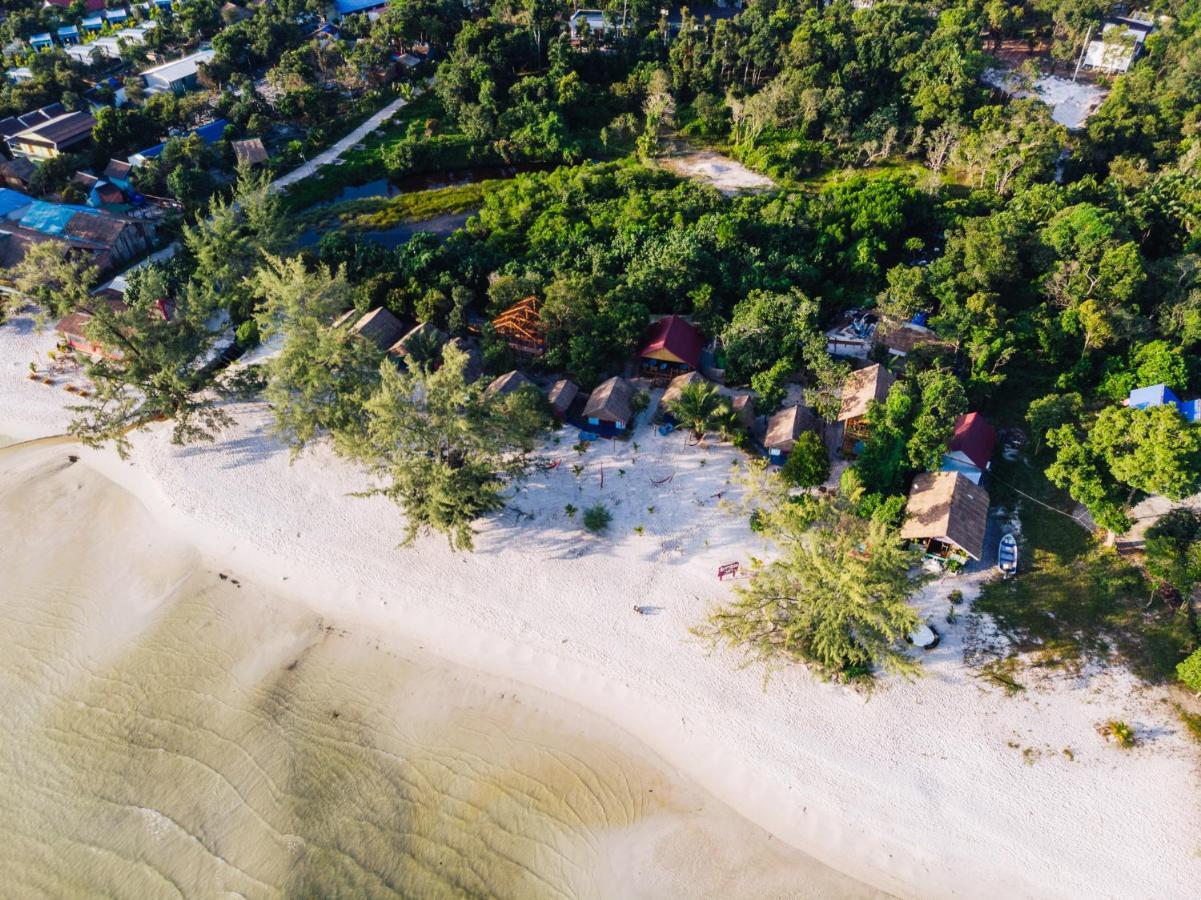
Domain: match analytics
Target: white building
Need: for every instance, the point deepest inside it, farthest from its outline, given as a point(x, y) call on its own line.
point(84, 53)
point(1117, 48)
point(179, 76)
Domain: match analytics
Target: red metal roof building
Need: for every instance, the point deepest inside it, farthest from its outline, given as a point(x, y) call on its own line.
point(971, 447)
point(673, 345)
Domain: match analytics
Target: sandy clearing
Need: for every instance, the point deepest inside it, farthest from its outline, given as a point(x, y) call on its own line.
point(727, 175)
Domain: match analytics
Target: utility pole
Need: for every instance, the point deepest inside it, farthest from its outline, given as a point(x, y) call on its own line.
point(1083, 50)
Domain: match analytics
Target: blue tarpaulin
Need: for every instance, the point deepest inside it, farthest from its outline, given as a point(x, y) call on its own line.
point(50, 218)
point(11, 201)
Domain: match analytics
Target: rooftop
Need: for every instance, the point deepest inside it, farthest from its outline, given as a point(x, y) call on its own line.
point(947, 506)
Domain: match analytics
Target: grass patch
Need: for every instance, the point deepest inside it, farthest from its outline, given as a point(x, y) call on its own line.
point(1072, 610)
point(1191, 721)
point(1012, 485)
point(1119, 732)
point(1001, 672)
point(380, 213)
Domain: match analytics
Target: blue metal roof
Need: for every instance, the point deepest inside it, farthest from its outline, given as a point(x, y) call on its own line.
point(43, 38)
point(1155, 395)
point(345, 7)
point(1190, 409)
point(11, 201)
point(68, 31)
point(209, 134)
point(116, 15)
point(93, 23)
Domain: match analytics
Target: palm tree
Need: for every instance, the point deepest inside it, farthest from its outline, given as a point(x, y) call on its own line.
point(700, 409)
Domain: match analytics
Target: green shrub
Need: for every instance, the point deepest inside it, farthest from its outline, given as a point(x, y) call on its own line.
point(597, 518)
point(1120, 732)
point(808, 465)
point(1189, 671)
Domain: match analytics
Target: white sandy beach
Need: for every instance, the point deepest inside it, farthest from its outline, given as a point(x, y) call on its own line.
point(937, 788)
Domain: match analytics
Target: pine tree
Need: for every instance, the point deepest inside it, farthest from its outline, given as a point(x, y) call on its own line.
point(837, 596)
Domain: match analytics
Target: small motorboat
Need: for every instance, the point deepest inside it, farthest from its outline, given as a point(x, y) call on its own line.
point(1007, 555)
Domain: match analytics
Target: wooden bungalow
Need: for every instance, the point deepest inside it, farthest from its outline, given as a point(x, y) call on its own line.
point(507, 384)
point(970, 449)
point(610, 407)
point(784, 428)
point(947, 514)
point(860, 389)
point(520, 326)
point(673, 345)
point(378, 326)
point(560, 397)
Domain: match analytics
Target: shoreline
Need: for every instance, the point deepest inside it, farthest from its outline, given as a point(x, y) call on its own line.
point(916, 789)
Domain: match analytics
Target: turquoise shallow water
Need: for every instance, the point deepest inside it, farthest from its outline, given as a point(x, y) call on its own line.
point(170, 730)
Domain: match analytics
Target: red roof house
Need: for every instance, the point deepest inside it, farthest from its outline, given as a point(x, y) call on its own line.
point(672, 345)
point(971, 447)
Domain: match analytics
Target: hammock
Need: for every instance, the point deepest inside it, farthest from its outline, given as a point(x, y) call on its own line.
point(663, 480)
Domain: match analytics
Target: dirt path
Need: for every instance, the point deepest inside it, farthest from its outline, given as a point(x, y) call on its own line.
point(328, 156)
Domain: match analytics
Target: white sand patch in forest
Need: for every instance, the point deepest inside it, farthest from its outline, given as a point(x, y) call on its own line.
point(727, 175)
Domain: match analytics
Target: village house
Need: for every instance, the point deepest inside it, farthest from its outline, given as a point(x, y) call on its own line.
point(110, 240)
point(1119, 45)
point(520, 327)
point(610, 407)
point(507, 384)
point(591, 20)
point(16, 173)
point(46, 133)
point(73, 329)
point(783, 429)
point(970, 449)
point(560, 397)
point(852, 335)
point(947, 515)
point(177, 77)
point(861, 388)
point(208, 134)
point(673, 345)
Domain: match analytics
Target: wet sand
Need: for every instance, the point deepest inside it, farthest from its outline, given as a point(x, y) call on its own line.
point(171, 729)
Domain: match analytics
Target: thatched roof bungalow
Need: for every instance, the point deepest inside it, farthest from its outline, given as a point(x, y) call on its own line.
point(378, 326)
point(611, 404)
point(859, 390)
point(948, 514)
point(560, 397)
point(784, 428)
point(507, 384)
